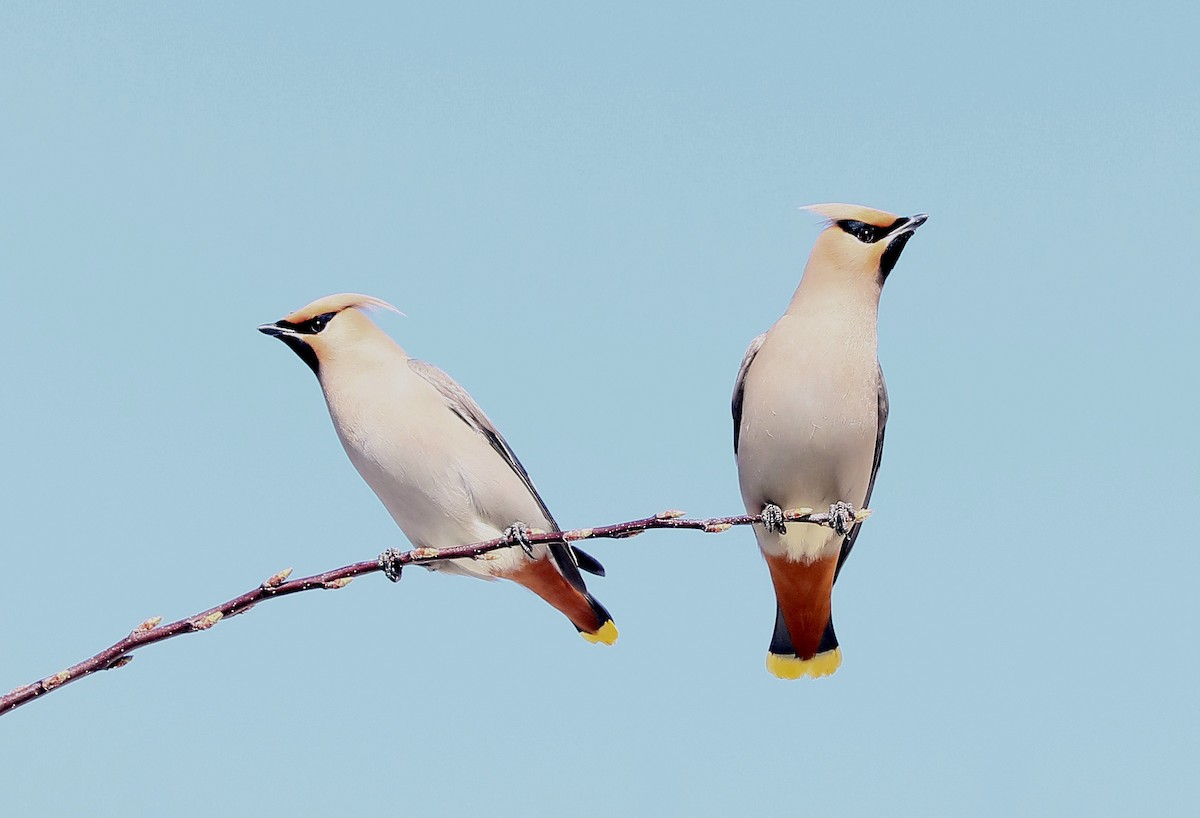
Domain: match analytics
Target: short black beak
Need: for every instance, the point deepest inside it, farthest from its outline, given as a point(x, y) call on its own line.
point(273, 330)
point(910, 225)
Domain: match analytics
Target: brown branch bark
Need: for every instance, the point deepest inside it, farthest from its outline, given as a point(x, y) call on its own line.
point(120, 653)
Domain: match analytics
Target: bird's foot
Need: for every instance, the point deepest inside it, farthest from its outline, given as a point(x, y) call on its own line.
point(772, 516)
point(518, 534)
point(841, 517)
point(389, 561)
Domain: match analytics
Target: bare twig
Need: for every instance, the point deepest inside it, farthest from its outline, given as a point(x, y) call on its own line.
point(120, 653)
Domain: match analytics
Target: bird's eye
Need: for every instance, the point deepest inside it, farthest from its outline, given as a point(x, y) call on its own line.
point(866, 233)
point(317, 324)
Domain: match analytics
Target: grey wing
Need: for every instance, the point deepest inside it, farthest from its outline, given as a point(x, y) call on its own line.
point(739, 387)
point(883, 416)
point(463, 405)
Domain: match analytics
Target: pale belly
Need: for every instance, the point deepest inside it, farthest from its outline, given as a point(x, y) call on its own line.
point(440, 501)
point(806, 444)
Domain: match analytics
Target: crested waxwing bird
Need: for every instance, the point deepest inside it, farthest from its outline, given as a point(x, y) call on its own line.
point(809, 409)
point(434, 459)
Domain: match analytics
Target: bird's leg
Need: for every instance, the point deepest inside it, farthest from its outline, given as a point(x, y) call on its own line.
point(773, 519)
point(388, 561)
point(842, 515)
point(518, 534)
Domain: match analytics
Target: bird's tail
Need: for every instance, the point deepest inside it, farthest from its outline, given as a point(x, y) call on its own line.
point(602, 630)
point(587, 615)
point(804, 643)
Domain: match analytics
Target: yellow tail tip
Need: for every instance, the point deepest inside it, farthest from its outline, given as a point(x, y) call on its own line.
point(607, 635)
point(793, 667)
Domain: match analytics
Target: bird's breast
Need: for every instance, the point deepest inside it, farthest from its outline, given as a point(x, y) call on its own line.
point(809, 421)
point(404, 447)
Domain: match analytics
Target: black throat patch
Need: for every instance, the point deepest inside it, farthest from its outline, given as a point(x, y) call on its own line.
point(304, 351)
point(892, 254)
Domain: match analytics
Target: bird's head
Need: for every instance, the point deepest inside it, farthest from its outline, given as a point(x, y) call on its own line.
point(327, 326)
point(861, 242)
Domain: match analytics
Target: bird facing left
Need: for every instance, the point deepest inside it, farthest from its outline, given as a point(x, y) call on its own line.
point(433, 457)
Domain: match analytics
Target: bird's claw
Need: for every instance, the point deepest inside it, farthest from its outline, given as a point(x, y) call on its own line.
point(518, 534)
point(772, 517)
point(390, 563)
point(841, 517)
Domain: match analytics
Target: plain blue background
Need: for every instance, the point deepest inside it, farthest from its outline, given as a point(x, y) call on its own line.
point(587, 211)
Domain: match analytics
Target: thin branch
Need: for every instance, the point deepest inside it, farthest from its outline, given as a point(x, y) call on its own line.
point(391, 562)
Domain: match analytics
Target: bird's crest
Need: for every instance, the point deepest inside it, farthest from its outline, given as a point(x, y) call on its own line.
point(337, 303)
point(836, 212)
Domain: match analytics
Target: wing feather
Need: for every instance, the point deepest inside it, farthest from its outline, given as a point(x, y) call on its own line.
point(848, 544)
point(462, 404)
point(739, 387)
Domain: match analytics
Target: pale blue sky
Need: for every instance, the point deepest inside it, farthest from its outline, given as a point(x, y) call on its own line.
point(598, 202)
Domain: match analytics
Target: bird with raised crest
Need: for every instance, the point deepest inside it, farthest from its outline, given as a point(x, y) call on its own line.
point(434, 459)
point(809, 411)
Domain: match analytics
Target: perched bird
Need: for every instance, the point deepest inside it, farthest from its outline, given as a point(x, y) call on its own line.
point(809, 409)
point(435, 460)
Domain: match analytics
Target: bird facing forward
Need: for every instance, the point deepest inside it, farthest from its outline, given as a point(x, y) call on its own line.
point(434, 459)
point(809, 410)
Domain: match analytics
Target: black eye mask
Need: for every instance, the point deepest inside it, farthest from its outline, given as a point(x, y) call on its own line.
point(310, 327)
point(868, 233)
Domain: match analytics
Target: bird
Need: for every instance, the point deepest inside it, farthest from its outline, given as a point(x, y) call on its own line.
point(809, 411)
point(438, 464)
